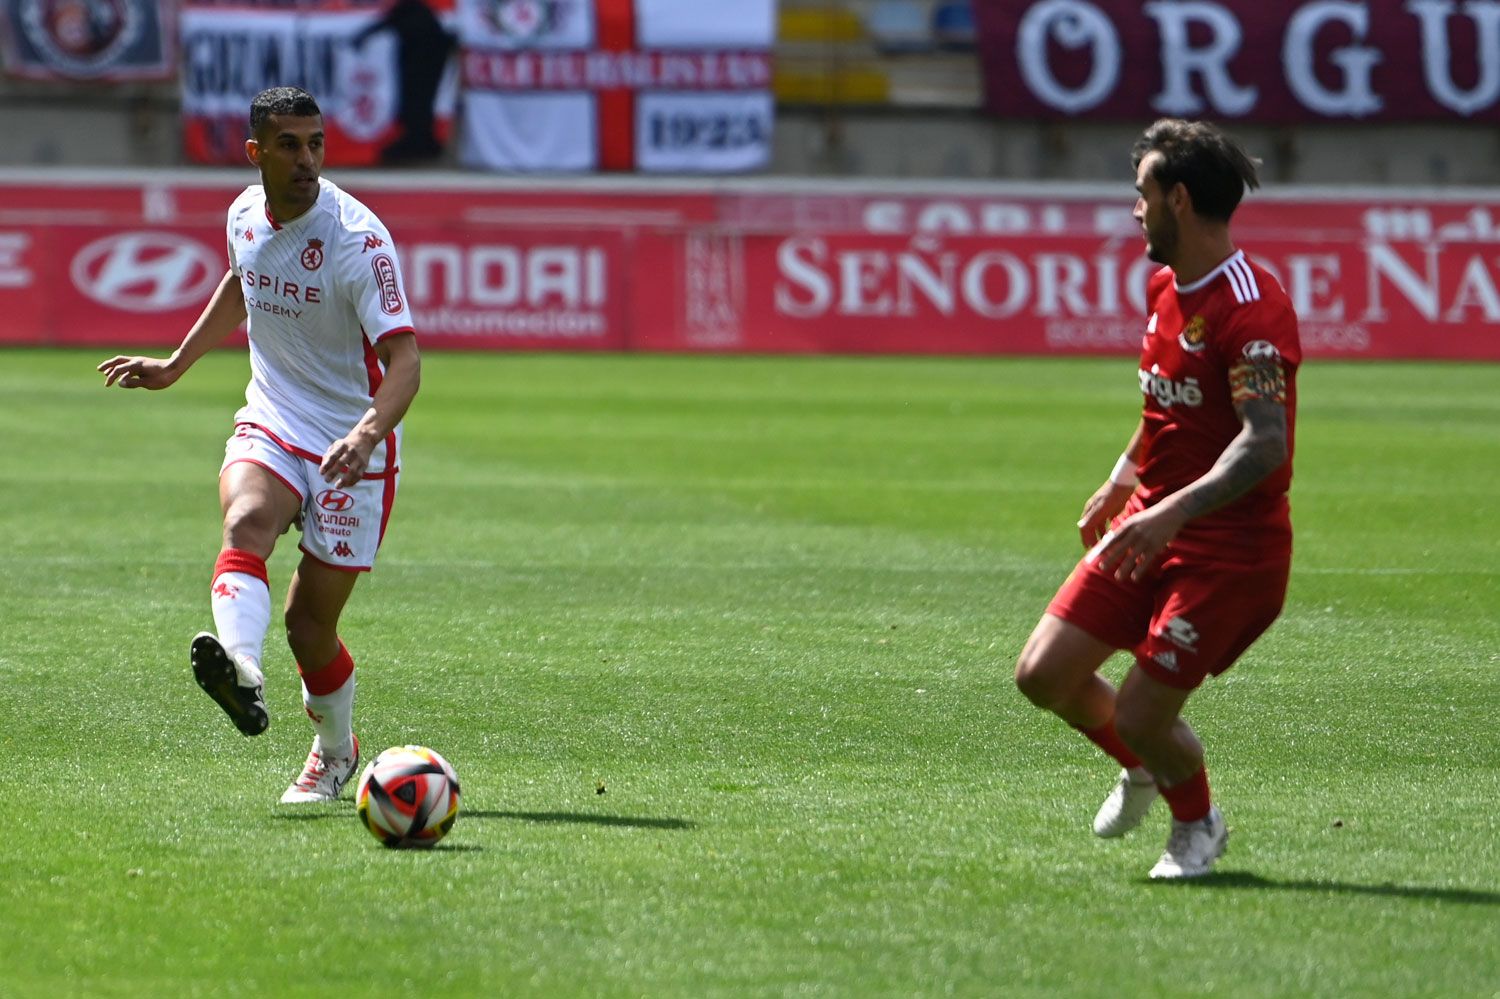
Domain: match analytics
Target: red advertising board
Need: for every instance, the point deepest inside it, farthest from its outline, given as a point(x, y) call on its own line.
point(755, 268)
point(1272, 61)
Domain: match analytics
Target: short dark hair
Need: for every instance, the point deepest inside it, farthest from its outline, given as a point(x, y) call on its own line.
point(1213, 167)
point(292, 101)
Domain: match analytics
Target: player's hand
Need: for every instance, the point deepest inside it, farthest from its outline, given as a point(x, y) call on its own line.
point(345, 461)
point(139, 372)
point(1130, 550)
point(1101, 508)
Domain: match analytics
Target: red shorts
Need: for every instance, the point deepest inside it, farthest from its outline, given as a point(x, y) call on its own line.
point(1187, 620)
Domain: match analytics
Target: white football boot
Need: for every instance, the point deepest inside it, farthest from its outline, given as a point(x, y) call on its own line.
point(1126, 805)
point(237, 686)
point(1193, 847)
point(323, 777)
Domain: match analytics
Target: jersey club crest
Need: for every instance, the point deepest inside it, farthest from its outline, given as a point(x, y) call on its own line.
point(312, 257)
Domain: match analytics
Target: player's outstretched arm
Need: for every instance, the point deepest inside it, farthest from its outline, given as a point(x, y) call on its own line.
point(347, 458)
point(221, 317)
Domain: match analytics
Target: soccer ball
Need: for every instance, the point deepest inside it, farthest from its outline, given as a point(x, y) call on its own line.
point(408, 797)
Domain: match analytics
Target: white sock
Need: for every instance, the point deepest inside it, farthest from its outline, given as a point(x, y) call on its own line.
point(332, 713)
point(242, 613)
point(1140, 775)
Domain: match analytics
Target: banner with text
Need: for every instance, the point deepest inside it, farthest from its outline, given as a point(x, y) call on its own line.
point(87, 40)
point(679, 86)
point(379, 69)
point(1272, 61)
point(765, 271)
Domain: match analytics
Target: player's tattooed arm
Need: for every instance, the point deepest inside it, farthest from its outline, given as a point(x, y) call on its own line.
point(1256, 451)
point(1258, 374)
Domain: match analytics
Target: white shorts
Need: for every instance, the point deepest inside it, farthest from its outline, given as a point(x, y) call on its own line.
point(342, 528)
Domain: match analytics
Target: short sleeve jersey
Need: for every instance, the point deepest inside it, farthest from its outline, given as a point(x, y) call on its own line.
point(1196, 337)
point(320, 291)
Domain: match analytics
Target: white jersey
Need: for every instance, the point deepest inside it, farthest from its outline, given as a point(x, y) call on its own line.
point(320, 292)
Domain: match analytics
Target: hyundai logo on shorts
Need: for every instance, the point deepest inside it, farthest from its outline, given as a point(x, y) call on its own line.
point(335, 500)
point(147, 271)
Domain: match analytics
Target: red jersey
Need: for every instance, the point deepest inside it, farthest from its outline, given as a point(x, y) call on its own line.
point(1195, 338)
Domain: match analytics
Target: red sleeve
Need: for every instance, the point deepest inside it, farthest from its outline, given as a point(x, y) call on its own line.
point(1260, 327)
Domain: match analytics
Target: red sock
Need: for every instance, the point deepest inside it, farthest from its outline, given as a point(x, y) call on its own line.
point(1189, 799)
point(1108, 740)
point(331, 675)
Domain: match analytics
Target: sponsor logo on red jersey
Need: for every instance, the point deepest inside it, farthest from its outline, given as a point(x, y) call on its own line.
point(1169, 393)
point(1261, 350)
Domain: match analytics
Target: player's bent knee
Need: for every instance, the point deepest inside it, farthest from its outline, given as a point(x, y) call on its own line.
point(1041, 685)
point(250, 528)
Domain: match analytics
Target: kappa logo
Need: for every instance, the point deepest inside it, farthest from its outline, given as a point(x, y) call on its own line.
point(312, 256)
point(336, 500)
point(1181, 633)
point(372, 243)
point(313, 715)
point(342, 550)
point(525, 20)
point(147, 271)
point(249, 235)
point(225, 590)
point(1193, 335)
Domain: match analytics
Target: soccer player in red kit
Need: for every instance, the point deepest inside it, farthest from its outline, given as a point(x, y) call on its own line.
point(1189, 540)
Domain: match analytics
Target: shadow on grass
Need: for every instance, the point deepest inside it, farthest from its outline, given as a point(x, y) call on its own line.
point(1244, 879)
point(345, 812)
point(581, 818)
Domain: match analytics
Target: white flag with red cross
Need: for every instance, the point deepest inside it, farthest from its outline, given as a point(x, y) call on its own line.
point(584, 85)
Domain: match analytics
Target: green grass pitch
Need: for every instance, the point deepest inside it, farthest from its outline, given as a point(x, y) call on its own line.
point(721, 649)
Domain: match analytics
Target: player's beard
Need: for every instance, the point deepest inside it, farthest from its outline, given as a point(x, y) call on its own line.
point(1162, 239)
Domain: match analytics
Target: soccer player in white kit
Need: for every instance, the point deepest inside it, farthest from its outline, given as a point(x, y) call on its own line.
point(334, 366)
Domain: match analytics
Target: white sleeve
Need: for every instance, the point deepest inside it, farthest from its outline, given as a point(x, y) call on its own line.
point(371, 275)
point(234, 263)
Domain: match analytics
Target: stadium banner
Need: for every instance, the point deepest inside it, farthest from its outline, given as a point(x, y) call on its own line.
point(676, 86)
point(746, 268)
point(379, 69)
point(86, 40)
point(1275, 61)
